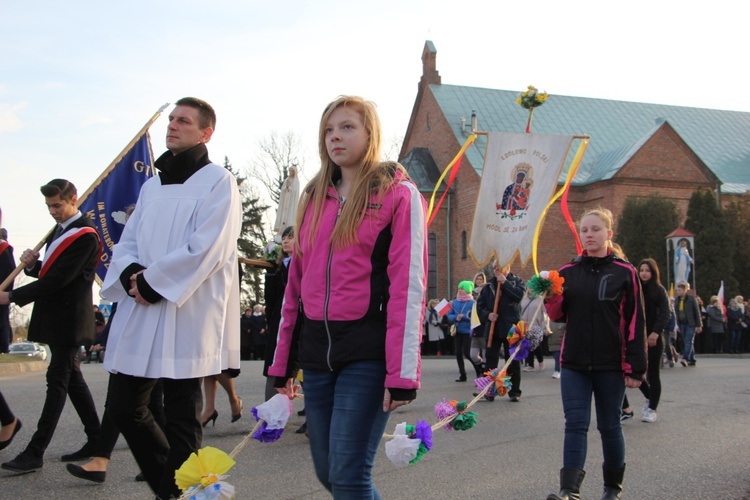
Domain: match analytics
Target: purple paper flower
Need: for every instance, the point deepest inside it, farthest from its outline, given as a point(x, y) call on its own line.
point(444, 409)
point(423, 432)
point(265, 435)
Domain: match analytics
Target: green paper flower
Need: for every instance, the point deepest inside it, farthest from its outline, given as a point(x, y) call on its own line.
point(464, 421)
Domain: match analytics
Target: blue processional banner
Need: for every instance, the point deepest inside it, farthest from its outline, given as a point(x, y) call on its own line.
point(106, 205)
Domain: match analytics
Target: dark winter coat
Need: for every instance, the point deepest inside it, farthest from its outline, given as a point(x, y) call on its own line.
point(656, 304)
point(508, 309)
point(691, 309)
point(601, 304)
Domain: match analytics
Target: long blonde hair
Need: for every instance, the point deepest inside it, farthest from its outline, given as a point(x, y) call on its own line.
point(373, 176)
point(606, 216)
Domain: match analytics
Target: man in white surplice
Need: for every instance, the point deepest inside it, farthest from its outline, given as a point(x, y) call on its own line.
point(174, 276)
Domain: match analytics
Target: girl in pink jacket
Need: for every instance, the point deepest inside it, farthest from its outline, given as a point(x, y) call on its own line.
point(357, 285)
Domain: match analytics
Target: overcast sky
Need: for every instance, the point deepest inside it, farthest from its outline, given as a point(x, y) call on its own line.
point(78, 79)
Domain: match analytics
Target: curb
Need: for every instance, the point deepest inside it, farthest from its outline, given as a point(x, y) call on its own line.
point(16, 368)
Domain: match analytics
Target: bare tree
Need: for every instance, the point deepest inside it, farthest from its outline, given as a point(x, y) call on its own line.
point(392, 148)
point(278, 153)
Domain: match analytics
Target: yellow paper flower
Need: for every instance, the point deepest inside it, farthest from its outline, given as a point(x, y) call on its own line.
point(203, 468)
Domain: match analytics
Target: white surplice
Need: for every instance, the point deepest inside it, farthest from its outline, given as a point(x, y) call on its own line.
point(185, 235)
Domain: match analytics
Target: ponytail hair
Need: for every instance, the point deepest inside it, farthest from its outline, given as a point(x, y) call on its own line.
point(616, 249)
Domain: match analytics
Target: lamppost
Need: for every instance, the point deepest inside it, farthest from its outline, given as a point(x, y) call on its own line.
point(681, 243)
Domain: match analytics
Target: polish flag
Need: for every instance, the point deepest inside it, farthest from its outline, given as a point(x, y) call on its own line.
point(721, 299)
point(443, 307)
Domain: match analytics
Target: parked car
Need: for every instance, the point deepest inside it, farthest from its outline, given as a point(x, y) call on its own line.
point(30, 349)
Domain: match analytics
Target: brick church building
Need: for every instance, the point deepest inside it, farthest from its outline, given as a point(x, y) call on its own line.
point(635, 149)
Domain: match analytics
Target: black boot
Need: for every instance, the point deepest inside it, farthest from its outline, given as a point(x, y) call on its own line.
point(612, 482)
point(570, 484)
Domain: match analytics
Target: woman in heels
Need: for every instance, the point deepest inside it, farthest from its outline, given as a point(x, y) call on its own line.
point(225, 379)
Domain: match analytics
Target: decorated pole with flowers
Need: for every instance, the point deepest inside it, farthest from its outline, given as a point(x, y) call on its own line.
point(202, 476)
point(529, 99)
point(409, 443)
point(271, 253)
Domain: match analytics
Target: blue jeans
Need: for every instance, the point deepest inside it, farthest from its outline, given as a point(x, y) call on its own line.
point(608, 388)
point(345, 423)
point(688, 338)
point(556, 356)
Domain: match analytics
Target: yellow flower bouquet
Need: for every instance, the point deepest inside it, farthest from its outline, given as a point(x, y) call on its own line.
point(529, 99)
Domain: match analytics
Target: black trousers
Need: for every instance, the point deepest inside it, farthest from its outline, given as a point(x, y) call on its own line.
point(110, 433)
point(514, 369)
point(159, 452)
point(64, 379)
point(463, 349)
point(6, 415)
point(651, 387)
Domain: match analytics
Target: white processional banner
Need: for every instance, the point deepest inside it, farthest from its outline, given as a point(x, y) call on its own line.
point(519, 178)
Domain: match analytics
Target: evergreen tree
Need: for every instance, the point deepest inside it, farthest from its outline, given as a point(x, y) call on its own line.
point(252, 239)
point(643, 227)
point(739, 236)
point(713, 255)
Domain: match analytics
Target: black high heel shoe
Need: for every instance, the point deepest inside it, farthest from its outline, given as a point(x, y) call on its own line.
point(6, 443)
point(212, 419)
point(238, 415)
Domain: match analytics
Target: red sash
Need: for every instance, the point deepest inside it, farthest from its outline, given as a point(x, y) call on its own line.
point(62, 243)
point(3, 245)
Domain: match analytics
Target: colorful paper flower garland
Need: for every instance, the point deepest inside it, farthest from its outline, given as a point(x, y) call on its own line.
point(455, 415)
point(202, 475)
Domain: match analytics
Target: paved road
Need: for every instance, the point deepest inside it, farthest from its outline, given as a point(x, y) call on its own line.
point(699, 448)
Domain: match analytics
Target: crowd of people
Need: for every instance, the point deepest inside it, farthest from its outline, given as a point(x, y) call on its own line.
point(177, 336)
point(728, 330)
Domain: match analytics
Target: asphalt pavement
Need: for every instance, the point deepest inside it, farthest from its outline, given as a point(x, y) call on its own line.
point(699, 447)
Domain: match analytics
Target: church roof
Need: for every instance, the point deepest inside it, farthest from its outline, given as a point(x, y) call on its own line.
point(721, 139)
point(422, 169)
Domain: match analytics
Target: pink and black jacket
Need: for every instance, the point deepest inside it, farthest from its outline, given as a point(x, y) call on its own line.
point(363, 302)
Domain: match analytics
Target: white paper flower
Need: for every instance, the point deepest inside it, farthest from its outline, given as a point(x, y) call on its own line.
point(401, 449)
point(275, 411)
